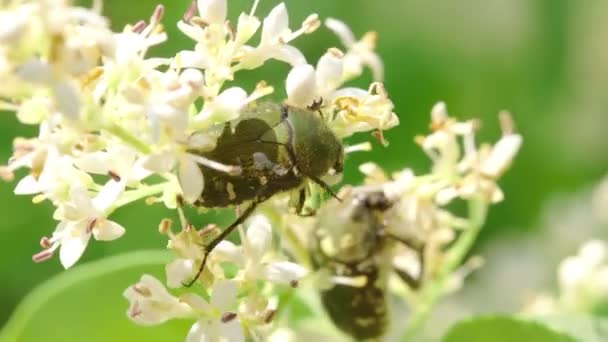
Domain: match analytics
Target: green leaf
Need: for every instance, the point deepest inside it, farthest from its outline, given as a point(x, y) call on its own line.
point(503, 328)
point(86, 304)
point(583, 327)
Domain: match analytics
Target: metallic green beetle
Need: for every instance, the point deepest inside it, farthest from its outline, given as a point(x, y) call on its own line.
point(277, 147)
point(350, 241)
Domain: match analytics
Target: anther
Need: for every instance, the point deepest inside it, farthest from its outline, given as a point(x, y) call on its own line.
point(45, 242)
point(142, 290)
point(139, 26)
point(228, 316)
point(115, 176)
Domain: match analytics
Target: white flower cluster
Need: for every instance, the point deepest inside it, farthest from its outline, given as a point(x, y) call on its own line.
point(116, 126)
point(419, 234)
point(419, 211)
point(582, 280)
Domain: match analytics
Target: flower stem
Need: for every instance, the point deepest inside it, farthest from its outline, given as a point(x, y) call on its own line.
point(128, 138)
point(134, 195)
point(432, 292)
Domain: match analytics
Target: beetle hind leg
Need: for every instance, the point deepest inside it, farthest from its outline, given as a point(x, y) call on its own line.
point(211, 246)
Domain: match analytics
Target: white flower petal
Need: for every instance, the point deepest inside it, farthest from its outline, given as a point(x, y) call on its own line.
point(228, 251)
point(224, 295)
point(594, 252)
point(68, 100)
point(196, 302)
point(259, 236)
point(190, 179)
point(193, 32)
point(33, 111)
point(108, 195)
point(246, 28)
point(80, 202)
point(502, 155)
point(152, 304)
point(196, 333)
point(212, 11)
point(73, 244)
point(301, 85)
point(106, 230)
point(95, 162)
point(284, 272)
point(191, 59)
point(288, 54)
point(36, 71)
point(14, 25)
point(439, 113)
point(231, 100)
point(375, 64)
point(341, 30)
point(329, 70)
point(275, 24)
point(232, 331)
point(28, 185)
point(159, 162)
point(178, 272)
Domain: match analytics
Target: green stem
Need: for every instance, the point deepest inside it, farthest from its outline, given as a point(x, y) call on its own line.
point(130, 139)
point(134, 195)
point(433, 291)
point(300, 251)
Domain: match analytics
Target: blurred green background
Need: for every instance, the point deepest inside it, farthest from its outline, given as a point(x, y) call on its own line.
point(544, 60)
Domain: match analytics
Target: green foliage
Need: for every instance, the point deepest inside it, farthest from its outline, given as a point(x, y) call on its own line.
point(503, 328)
point(85, 304)
point(585, 328)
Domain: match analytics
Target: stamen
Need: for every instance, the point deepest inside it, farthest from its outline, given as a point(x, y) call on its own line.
point(139, 26)
point(45, 242)
point(190, 12)
point(210, 228)
point(269, 316)
point(42, 256)
point(142, 290)
point(136, 311)
point(6, 174)
point(91, 225)
point(158, 14)
point(165, 226)
point(254, 8)
point(506, 122)
point(228, 316)
point(97, 6)
point(114, 176)
point(180, 212)
point(311, 23)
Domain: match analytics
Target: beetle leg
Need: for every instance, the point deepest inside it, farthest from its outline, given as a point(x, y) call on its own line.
point(316, 106)
point(300, 205)
point(211, 246)
point(413, 281)
point(325, 187)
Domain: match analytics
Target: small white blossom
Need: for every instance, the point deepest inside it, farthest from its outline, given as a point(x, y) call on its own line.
point(359, 53)
point(218, 320)
point(151, 304)
point(81, 217)
point(256, 259)
point(583, 278)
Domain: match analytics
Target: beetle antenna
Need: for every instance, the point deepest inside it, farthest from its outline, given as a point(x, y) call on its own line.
point(325, 187)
